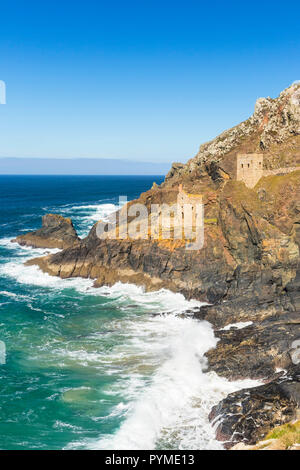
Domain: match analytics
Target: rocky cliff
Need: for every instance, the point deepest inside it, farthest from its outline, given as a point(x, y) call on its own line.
point(56, 232)
point(248, 268)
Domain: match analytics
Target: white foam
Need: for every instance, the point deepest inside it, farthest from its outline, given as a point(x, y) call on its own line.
point(159, 301)
point(26, 251)
point(34, 276)
point(15, 296)
point(238, 326)
point(91, 213)
point(8, 294)
point(62, 425)
point(8, 243)
point(97, 212)
point(172, 410)
point(2, 353)
point(30, 251)
point(104, 207)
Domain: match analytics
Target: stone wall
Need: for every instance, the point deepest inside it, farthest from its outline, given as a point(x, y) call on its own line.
point(280, 171)
point(192, 200)
point(249, 168)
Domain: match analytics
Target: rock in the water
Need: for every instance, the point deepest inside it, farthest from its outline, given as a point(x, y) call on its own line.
point(257, 350)
point(56, 232)
point(248, 415)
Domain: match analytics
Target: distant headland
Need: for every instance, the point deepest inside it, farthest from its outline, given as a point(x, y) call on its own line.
point(80, 166)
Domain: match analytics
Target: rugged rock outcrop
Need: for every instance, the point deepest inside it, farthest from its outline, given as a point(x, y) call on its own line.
point(248, 268)
point(258, 350)
point(56, 232)
point(248, 415)
point(274, 122)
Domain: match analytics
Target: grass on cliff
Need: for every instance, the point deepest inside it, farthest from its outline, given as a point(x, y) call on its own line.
point(287, 434)
point(274, 183)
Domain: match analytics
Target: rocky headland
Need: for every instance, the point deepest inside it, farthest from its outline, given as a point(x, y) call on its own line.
point(248, 270)
point(56, 232)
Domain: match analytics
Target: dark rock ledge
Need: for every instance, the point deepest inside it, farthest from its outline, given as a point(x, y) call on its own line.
point(248, 415)
point(56, 232)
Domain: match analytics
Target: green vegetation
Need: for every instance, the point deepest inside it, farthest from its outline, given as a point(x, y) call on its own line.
point(287, 434)
point(277, 182)
point(211, 221)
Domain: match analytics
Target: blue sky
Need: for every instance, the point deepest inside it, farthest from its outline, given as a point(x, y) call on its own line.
point(142, 80)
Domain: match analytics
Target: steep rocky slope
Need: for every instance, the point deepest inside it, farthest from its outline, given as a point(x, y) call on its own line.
point(273, 129)
point(249, 266)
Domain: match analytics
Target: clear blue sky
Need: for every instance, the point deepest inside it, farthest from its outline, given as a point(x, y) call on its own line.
point(141, 80)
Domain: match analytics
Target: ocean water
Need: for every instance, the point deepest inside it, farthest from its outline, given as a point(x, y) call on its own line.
point(86, 368)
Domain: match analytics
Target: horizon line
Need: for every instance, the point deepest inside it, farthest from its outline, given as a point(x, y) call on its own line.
point(87, 174)
point(89, 158)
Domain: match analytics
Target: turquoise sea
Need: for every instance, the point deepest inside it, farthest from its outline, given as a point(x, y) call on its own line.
point(86, 368)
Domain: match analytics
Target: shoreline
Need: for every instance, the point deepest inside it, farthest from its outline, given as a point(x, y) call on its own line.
point(221, 356)
point(166, 313)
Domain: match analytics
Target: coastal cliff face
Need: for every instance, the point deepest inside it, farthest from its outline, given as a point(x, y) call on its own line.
point(248, 268)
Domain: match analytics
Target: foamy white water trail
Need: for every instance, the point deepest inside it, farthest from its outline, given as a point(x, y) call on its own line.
point(89, 214)
point(158, 302)
point(171, 410)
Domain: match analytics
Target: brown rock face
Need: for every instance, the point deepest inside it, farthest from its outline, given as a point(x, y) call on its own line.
point(56, 232)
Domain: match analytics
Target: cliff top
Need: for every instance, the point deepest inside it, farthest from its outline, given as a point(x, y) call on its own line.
point(273, 129)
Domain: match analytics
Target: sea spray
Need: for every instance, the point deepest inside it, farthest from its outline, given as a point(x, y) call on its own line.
point(172, 410)
point(2, 353)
